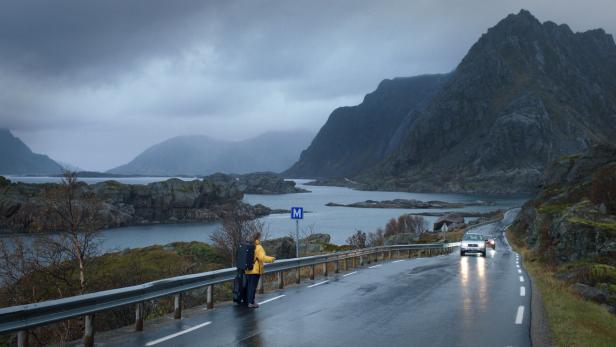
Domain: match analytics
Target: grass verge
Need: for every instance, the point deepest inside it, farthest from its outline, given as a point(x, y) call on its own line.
point(572, 320)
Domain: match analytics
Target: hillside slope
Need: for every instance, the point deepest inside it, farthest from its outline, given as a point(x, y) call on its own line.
point(357, 137)
point(17, 159)
point(201, 155)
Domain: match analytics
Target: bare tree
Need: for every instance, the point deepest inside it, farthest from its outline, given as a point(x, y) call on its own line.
point(376, 238)
point(76, 214)
point(357, 240)
point(236, 227)
point(49, 265)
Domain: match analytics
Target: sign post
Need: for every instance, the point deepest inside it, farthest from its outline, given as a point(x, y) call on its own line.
point(297, 213)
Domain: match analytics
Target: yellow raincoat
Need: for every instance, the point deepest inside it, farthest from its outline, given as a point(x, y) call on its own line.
point(260, 258)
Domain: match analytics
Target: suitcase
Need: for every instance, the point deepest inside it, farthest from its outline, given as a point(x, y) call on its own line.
point(238, 287)
point(240, 293)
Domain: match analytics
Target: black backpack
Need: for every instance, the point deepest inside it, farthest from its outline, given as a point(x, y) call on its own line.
point(245, 258)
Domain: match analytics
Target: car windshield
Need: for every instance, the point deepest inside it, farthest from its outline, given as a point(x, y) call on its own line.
point(472, 237)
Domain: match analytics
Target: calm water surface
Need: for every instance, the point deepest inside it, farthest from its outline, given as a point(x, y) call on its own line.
point(339, 222)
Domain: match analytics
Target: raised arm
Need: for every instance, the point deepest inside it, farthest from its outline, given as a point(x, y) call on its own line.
point(260, 254)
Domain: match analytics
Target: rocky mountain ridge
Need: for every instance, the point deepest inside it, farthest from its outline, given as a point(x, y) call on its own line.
point(526, 94)
point(357, 137)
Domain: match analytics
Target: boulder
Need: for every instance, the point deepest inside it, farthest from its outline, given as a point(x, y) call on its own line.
point(590, 293)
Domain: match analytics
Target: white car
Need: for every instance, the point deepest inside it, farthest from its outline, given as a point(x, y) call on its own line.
point(473, 243)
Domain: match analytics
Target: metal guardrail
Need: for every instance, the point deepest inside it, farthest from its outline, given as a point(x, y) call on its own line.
point(22, 318)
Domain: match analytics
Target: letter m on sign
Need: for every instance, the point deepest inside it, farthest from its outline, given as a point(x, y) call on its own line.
point(297, 213)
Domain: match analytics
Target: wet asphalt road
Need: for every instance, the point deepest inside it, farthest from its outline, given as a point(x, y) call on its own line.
point(440, 301)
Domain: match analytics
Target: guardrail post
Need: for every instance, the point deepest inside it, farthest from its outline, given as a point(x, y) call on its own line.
point(280, 280)
point(409, 253)
point(325, 269)
point(297, 275)
point(22, 338)
point(177, 306)
point(337, 268)
point(139, 317)
point(209, 297)
point(260, 286)
point(361, 260)
point(312, 271)
point(88, 334)
point(382, 255)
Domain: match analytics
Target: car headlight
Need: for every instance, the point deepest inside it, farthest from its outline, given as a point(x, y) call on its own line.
point(482, 245)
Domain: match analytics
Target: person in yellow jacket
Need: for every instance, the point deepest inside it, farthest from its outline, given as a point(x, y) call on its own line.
point(253, 275)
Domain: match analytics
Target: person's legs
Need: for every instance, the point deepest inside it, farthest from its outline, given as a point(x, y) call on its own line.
point(244, 290)
point(253, 281)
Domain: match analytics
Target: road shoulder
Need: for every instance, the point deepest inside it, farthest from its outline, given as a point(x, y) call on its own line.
point(540, 334)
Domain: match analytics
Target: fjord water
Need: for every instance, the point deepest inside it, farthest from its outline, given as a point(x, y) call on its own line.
point(339, 222)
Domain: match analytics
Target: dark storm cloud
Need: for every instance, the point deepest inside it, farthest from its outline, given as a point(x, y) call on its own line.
point(93, 39)
point(95, 82)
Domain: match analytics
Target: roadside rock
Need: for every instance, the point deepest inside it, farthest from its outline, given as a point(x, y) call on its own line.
point(284, 247)
point(590, 293)
point(401, 239)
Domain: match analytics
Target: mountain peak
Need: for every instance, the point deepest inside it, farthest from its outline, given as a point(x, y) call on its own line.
point(520, 24)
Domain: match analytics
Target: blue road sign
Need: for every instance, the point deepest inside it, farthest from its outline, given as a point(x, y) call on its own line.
point(297, 213)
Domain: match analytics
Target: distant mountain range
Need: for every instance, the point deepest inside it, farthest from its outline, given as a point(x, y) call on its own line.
point(17, 159)
point(202, 155)
point(525, 95)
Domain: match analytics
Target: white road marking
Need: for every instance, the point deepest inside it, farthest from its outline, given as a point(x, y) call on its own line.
point(373, 266)
point(519, 317)
point(397, 261)
point(272, 299)
point(349, 274)
point(522, 291)
point(519, 271)
point(521, 279)
point(163, 339)
point(318, 284)
point(518, 266)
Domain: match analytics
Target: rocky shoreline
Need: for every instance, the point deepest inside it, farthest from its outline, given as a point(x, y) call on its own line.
point(410, 204)
point(23, 206)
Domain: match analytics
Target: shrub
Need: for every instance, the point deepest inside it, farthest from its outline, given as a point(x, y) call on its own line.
point(405, 224)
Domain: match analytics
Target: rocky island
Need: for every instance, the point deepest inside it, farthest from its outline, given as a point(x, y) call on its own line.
point(265, 183)
point(23, 206)
point(410, 204)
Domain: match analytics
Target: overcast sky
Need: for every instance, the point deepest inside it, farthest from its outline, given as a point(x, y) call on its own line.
point(94, 83)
